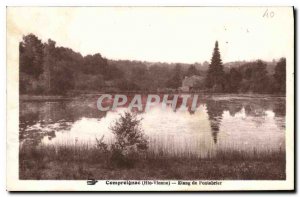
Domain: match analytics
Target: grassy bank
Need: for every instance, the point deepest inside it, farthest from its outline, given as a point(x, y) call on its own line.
point(84, 162)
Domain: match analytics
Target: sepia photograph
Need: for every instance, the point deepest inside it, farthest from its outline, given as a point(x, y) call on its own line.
point(150, 98)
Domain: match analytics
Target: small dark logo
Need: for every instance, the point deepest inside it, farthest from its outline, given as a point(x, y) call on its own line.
point(91, 182)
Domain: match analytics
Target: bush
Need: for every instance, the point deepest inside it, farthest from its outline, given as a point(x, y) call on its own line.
point(130, 141)
point(129, 135)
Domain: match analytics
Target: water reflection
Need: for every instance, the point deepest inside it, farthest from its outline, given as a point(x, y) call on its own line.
point(215, 112)
point(219, 123)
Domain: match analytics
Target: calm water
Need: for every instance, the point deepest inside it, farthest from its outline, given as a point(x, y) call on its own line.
point(220, 122)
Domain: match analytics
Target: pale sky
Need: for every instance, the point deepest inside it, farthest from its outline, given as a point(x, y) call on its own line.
point(165, 34)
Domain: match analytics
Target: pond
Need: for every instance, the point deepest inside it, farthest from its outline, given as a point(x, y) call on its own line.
point(221, 122)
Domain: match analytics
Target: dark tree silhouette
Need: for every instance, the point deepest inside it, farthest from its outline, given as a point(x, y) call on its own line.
point(255, 78)
point(234, 78)
point(31, 55)
point(215, 74)
point(94, 64)
point(175, 81)
point(192, 70)
point(280, 76)
point(259, 81)
point(59, 64)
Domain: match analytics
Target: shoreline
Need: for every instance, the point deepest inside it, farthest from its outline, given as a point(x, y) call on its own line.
point(70, 97)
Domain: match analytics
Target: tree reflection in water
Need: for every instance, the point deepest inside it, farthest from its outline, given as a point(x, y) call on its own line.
point(215, 111)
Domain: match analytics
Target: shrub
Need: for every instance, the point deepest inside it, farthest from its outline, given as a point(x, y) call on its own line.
point(130, 140)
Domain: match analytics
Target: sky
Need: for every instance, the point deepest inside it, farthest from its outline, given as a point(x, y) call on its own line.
point(161, 34)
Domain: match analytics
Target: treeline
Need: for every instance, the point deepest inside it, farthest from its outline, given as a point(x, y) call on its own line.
point(251, 77)
point(48, 69)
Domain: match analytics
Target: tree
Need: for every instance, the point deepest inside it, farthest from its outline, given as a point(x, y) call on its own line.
point(255, 77)
point(234, 80)
point(139, 76)
point(175, 81)
point(259, 79)
point(113, 72)
point(94, 64)
point(62, 77)
point(89, 81)
point(31, 56)
point(280, 76)
point(59, 66)
point(128, 132)
point(215, 74)
point(130, 140)
point(192, 70)
point(126, 85)
point(160, 74)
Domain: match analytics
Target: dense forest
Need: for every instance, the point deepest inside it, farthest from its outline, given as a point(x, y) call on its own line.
point(48, 69)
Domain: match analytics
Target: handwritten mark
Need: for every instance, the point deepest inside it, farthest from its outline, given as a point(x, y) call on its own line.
point(269, 14)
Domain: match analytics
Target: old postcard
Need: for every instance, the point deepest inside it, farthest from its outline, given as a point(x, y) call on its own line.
point(150, 98)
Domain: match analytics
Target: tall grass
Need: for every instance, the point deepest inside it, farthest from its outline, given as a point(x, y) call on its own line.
point(39, 158)
point(89, 152)
point(85, 161)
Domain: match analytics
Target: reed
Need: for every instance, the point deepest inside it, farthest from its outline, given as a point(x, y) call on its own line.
point(82, 160)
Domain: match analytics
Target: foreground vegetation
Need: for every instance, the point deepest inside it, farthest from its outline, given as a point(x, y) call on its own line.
point(83, 162)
